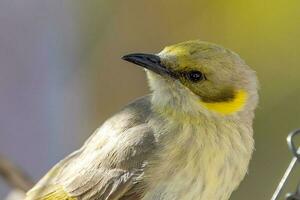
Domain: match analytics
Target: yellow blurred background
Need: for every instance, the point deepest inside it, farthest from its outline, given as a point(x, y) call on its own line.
point(61, 74)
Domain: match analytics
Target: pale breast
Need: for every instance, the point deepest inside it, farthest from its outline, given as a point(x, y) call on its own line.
point(199, 161)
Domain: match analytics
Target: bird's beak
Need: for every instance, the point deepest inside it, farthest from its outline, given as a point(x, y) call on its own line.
point(149, 61)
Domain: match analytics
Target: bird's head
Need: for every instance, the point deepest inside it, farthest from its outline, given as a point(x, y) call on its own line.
point(197, 76)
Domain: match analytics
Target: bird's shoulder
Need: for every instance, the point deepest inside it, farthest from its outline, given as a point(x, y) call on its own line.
point(110, 164)
point(129, 119)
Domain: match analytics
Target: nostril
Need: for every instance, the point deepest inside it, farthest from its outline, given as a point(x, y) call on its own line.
point(152, 60)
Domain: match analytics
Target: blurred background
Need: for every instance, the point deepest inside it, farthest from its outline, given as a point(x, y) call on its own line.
point(61, 74)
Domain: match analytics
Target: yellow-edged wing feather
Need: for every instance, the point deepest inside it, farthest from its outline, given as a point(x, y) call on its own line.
point(59, 194)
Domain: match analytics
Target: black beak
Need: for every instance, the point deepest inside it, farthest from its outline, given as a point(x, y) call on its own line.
point(150, 62)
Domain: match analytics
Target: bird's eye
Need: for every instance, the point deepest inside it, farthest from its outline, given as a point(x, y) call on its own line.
point(195, 76)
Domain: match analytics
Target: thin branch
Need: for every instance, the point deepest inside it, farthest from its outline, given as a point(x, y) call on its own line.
point(14, 176)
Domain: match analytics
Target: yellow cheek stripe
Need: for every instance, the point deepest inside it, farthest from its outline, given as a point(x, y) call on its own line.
point(228, 107)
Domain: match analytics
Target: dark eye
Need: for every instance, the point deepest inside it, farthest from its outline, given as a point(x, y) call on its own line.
point(195, 76)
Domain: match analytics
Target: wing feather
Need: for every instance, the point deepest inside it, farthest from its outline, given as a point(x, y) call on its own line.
point(109, 166)
point(58, 194)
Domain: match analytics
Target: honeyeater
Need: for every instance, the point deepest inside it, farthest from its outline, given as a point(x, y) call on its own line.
point(191, 138)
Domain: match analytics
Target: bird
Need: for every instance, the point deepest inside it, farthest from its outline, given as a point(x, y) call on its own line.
point(190, 138)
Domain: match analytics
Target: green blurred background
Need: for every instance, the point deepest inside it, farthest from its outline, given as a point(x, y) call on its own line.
point(61, 74)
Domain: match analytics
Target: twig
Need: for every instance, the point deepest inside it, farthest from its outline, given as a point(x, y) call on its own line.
point(14, 176)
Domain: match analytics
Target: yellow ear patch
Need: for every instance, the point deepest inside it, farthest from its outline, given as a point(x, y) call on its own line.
point(228, 107)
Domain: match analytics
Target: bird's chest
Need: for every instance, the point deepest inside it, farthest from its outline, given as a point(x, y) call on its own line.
point(197, 163)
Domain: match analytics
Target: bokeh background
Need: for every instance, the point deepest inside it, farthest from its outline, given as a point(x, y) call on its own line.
point(61, 74)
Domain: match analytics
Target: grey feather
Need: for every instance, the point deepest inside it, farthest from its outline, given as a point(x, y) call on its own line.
point(111, 162)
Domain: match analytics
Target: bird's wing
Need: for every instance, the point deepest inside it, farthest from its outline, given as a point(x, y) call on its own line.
point(110, 164)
